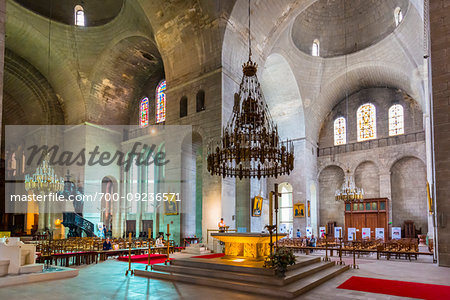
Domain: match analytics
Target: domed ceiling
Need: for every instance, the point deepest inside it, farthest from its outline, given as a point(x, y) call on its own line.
point(345, 26)
point(97, 12)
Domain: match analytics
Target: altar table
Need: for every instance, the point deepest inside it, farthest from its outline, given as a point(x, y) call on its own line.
point(247, 244)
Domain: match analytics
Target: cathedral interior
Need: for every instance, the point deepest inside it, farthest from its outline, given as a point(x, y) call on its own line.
point(353, 94)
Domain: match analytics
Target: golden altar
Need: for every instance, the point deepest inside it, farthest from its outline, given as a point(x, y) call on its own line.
point(246, 244)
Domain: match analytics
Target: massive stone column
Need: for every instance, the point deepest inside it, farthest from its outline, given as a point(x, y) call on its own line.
point(440, 60)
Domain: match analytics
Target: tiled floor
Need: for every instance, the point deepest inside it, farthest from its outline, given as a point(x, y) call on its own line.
point(107, 281)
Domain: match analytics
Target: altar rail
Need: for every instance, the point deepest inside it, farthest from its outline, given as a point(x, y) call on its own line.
point(378, 143)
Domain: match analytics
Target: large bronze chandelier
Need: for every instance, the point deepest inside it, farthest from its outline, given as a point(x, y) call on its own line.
point(250, 145)
point(349, 192)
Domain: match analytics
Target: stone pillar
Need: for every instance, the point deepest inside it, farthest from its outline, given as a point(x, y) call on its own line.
point(385, 190)
point(243, 203)
point(440, 60)
point(2, 53)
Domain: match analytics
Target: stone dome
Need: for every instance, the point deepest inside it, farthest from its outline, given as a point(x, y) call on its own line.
point(345, 26)
point(96, 12)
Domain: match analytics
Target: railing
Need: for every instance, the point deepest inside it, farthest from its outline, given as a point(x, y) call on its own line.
point(378, 143)
point(74, 221)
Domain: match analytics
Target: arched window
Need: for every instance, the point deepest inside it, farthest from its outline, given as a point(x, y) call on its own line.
point(367, 125)
point(200, 100)
point(398, 16)
point(315, 48)
point(183, 106)
point(79, 15)
point(339, 131)
point(161, 102)
point(396, 124)
point(143, 113)
point(286, 211)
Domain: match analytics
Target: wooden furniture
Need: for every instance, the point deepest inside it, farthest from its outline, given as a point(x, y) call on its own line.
point(330, 228)
point(410, 231)
point(370, 213)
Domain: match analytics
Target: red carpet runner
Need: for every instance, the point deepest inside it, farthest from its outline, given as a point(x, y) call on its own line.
point(397, 288)
point(143, 259)
point(214, 255)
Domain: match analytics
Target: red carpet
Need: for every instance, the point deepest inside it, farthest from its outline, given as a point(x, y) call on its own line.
point(143, 259)
point(214, 255)
point(397, 288)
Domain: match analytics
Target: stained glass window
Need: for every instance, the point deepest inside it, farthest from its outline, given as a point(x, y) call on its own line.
point(367, 126)
point(79, 16)
point(315, 48)
point(143, 113)
point(396, 124)
point(161, 102)
point(339, 131)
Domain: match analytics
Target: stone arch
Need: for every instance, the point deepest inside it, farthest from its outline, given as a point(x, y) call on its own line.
point(59, 72)
point(200, 101)
point(367, 177)
point(29, 96)
point(109, 188)
point(283, 97)
point(333, 164)
point(361, 76)
point(409, 195)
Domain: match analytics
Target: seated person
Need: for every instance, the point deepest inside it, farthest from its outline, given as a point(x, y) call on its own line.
point(107, 244)
point(159, 242)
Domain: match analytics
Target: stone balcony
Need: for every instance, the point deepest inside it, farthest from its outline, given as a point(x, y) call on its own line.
point(372, 144)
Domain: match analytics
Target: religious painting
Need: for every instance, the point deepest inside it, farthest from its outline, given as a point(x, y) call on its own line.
point(299, 210)
point(257, 206)
point(171, 205)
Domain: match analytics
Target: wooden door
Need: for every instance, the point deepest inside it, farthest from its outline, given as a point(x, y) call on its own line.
point(146, 224)
point(131, 227)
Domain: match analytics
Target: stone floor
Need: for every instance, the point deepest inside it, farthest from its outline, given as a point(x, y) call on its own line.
point(107, 280)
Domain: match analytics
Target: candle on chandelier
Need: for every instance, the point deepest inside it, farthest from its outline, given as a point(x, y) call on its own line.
point(168, 229)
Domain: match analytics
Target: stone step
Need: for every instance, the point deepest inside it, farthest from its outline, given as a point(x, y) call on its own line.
point(238, 266)
point(199, 250)
point(31, 268)
point(291, 276)
point(308, 283)
point(292, 290)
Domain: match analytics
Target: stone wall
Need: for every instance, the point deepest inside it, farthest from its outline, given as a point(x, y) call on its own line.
point(408, 178)
point(383, 99)
point(381, 173)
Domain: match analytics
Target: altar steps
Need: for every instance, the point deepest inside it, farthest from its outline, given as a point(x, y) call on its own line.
point(297, 281)
point(254, 278)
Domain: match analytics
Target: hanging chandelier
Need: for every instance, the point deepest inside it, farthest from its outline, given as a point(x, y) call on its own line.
point(349, 192)
point(250, 146)
point(44, 180)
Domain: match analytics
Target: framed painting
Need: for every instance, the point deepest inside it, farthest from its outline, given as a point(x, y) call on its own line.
point(171, 205)
point(257, 206)
point(299, 210)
